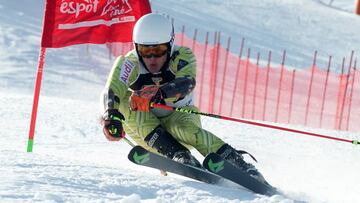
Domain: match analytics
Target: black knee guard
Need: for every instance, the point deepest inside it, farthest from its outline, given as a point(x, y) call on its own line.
point(164, 142)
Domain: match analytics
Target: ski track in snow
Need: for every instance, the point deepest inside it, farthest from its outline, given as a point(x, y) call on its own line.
point(72, 161)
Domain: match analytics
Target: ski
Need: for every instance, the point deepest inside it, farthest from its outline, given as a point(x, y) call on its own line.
point(141, 156)
point(214, 163)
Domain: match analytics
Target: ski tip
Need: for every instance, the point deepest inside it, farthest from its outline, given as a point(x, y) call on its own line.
point(272, 191)
point(138, 155)
point(213, 163)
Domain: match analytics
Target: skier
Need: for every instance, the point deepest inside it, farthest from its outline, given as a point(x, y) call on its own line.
point(161, 72)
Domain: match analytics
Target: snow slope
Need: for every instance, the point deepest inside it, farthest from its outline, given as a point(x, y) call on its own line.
point(72, 161)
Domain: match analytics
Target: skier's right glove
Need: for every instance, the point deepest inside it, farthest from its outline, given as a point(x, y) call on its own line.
point(112, 126)
point(140, 100)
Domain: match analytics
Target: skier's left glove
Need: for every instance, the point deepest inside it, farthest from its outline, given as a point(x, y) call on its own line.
point(140, 100)
point(112, 126)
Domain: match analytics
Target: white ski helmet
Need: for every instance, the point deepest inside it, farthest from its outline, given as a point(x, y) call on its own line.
point(152, 29)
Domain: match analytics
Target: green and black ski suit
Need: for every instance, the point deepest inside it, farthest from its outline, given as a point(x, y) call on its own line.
point(129, 74)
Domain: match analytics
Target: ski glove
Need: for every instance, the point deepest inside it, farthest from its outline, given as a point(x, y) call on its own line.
point(112, 126)
point(140, 100)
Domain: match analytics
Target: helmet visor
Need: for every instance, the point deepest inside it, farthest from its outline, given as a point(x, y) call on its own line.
point(148, 51)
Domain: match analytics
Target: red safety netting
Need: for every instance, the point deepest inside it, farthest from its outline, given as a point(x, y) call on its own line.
point(236, 86)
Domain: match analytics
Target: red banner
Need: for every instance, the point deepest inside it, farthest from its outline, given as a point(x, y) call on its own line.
point(69, 22)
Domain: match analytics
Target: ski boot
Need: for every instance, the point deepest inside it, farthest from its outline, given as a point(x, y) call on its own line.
point(235, 157)
point(167, 145)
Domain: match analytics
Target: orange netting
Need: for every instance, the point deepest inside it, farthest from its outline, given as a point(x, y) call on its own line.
point(233, 85)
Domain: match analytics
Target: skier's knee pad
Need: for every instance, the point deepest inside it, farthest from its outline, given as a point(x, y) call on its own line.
point(163, 142)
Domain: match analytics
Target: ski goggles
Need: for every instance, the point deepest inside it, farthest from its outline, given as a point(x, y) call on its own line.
point(148, 51)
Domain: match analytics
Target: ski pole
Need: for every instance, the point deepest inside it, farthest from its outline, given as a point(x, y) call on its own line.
point(183, 110)
point(129, 142)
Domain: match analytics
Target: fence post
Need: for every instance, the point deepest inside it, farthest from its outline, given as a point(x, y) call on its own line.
point(211, 101)
point(110, 49)
point(255, 85)
point(182, 35)
point(224, 74)
point(310, 89)
point(351, 96)
point(245, 83)
point(203, 69)
point(193, 43)
point(325, 90)
point(346, 88)
point(291, 95)
point(216, 65)
point(194, 40)
point(280, 86)
point(266, 84)
point(237, 76)
point(338, 105)
point(122, 49)
point(213, 72)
